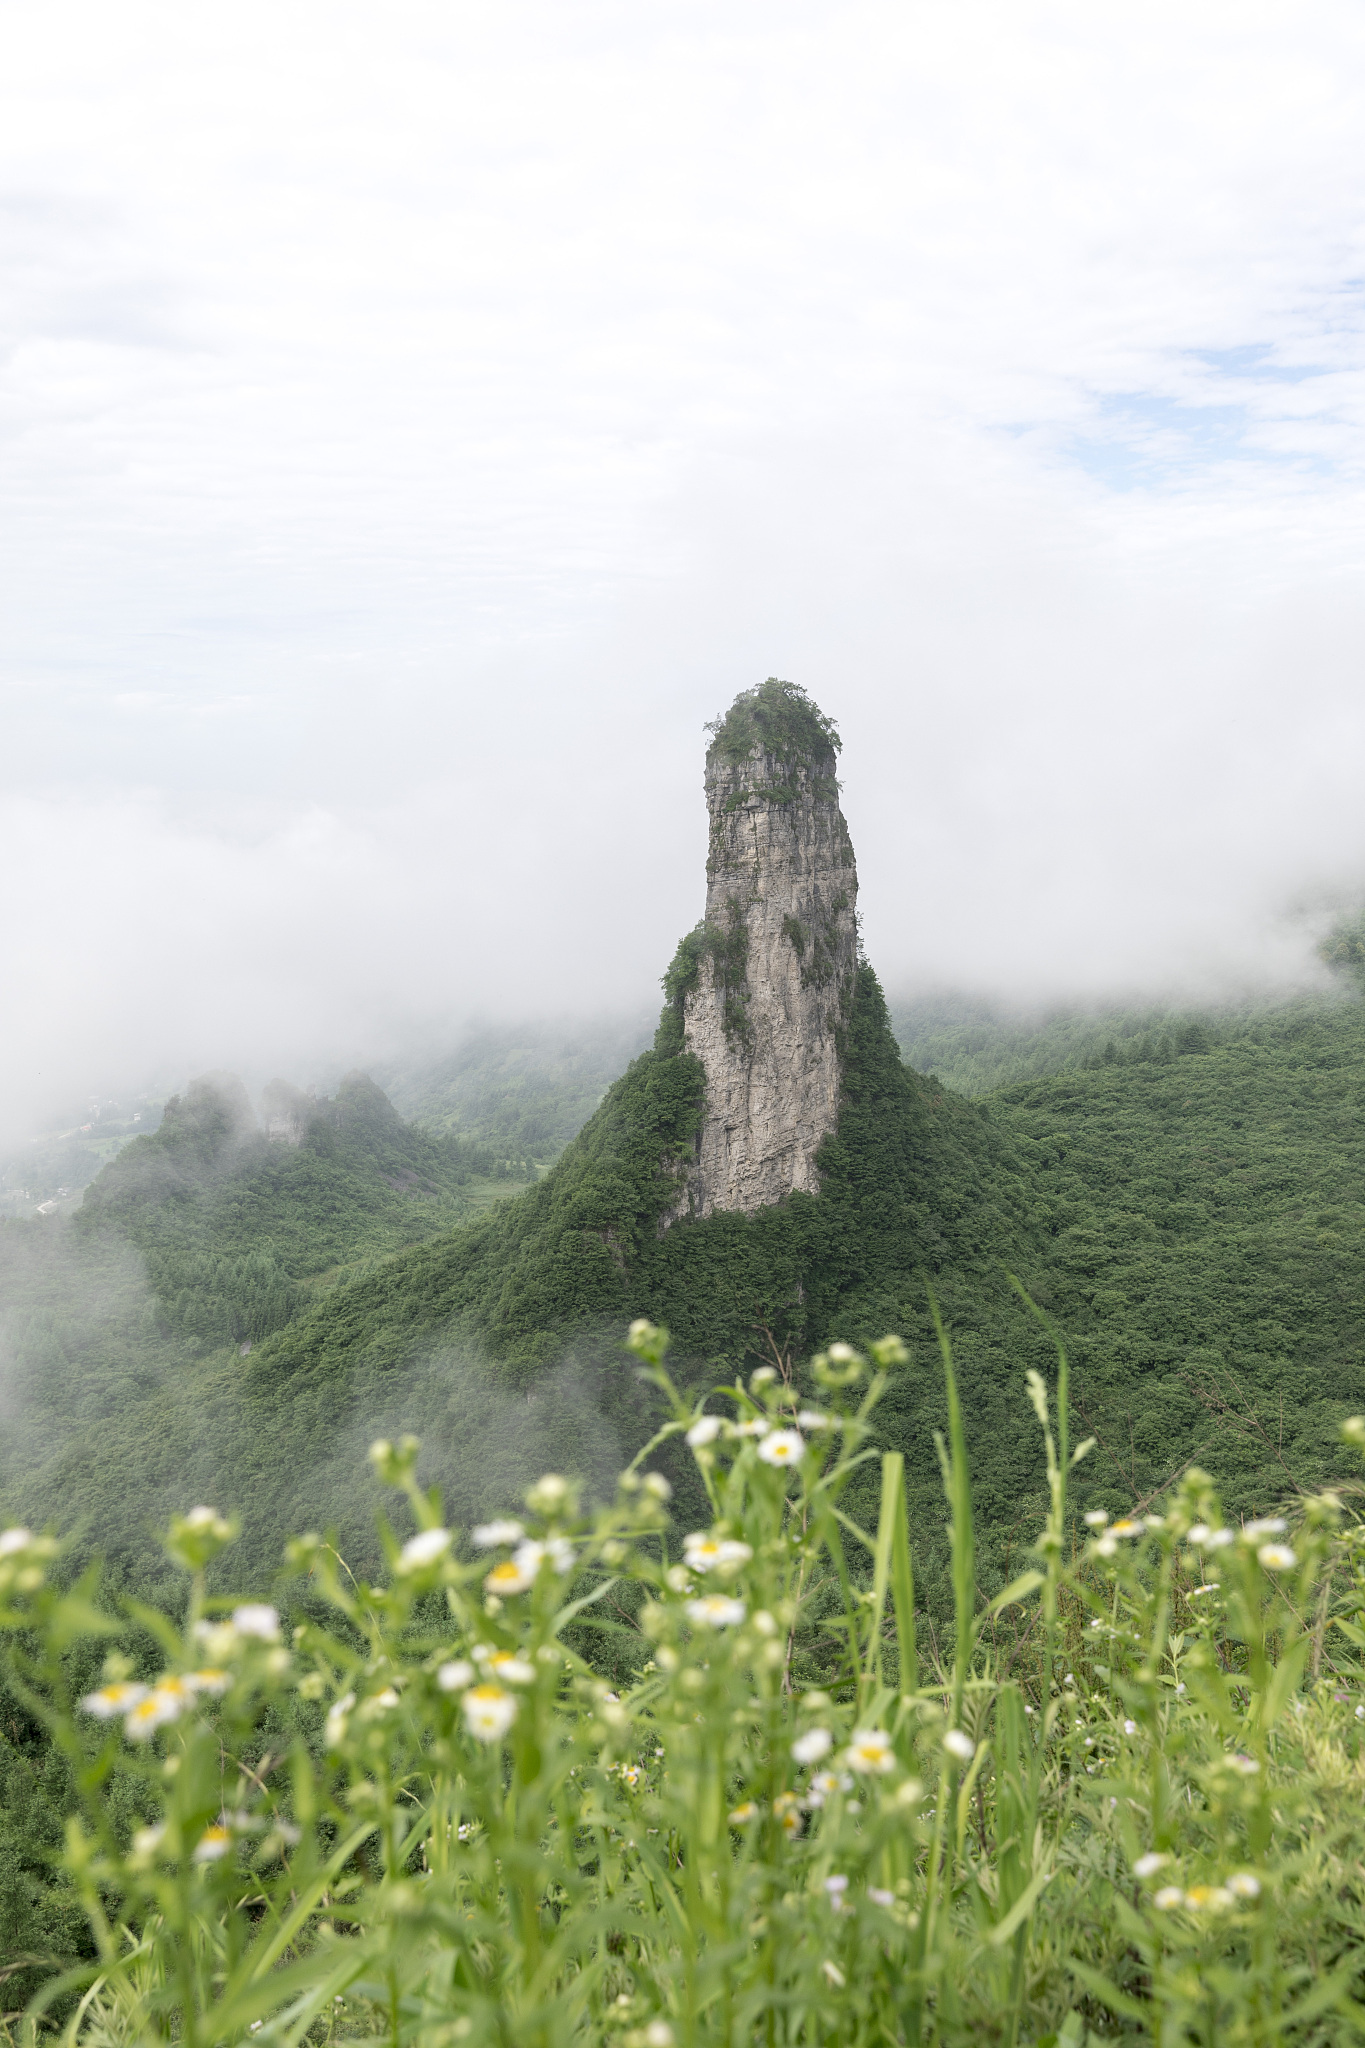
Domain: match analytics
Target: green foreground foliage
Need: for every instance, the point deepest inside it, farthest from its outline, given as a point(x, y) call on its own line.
point(1126, 1805)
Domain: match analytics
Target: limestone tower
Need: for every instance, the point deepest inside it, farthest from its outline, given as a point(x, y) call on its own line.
point(764, 984)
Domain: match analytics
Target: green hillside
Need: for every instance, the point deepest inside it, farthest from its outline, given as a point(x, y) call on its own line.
point(1189, 1213)
point(239, 1228)
point(498, 1341)
point(1205, 1223)
point(533, 1300)
point(123, 1330)
point(976, 1046)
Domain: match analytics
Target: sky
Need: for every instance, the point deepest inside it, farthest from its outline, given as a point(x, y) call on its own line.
point(416, 420)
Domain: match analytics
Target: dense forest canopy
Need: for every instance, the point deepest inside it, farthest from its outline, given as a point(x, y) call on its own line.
point(228, 1312)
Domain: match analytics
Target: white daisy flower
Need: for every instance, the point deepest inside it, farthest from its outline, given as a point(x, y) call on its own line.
point(1270, 1525)
point(511, 1576)
point(812, 1746)
point(421, 1550)
point(210, 1680)
point(1208, 1898)
point(1277, 1557)
point(1168, 1898)
point(219, 1638)
point(335, 1731)
point(870, 1749)
point(456, 1675)
point(112, 1700)
point(378, 1703)
point(493, 1535)
point(704, 1431)
point(258, 1621)
point(166, 1702)
point(705, 1553)
point(1243, 1885)
point(200, 1519)
point(959, 1745)
point(715, 1611)
point(787, 1813)
point(782, 1447)
point(213, 1845)
point(812, 1418)
point(758, 1425)
point(1148, 1865)
point(15, 1540)
point(489, 1712)
point(1096, 1518)
point(531, 1556)
point(510, 1668)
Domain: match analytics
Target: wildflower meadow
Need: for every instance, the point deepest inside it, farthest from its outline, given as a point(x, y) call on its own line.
point(1126, 1802)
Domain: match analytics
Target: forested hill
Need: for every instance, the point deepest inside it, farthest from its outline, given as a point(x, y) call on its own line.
point(1192, 1219)
point(241, 1224)
point(123, 1330)
point(1205, 1223)
point(539, 1292)
point(499, 1342)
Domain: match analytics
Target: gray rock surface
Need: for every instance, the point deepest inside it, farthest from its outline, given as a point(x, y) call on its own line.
point(766, 1014)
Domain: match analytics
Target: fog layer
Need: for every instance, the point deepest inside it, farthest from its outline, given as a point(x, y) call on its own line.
point(418, 424)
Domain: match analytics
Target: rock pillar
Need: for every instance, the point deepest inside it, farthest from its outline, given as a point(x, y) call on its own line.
point(766, 981)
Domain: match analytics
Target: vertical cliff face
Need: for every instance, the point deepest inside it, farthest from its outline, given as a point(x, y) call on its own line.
point(763, 985)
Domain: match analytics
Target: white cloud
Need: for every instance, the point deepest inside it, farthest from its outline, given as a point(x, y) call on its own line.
point(416, 421)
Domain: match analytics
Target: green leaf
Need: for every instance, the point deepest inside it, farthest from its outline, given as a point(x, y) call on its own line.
point(1020, 1910)
point(1018, 1589)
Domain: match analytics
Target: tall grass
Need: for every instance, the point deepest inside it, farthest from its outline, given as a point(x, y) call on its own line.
point(421, 1816)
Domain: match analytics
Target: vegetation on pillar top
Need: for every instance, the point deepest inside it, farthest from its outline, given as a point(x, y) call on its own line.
point(781, 720)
